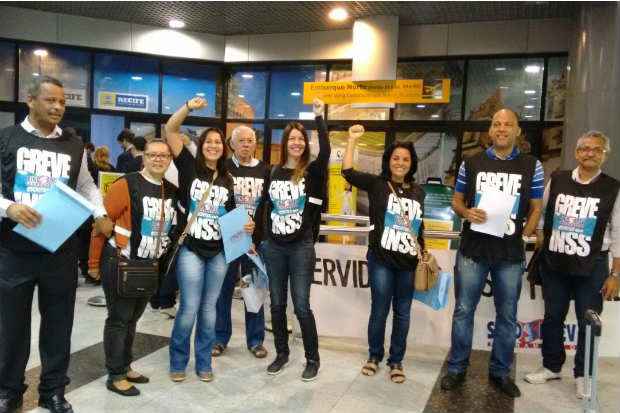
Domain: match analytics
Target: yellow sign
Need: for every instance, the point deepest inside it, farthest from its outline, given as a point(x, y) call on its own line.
point(437, 225)
point(379, 91)
point(106, 179)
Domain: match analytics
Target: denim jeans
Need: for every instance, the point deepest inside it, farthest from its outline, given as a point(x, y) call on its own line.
point(469, 281)
point(200, 281)
point(295, 260)
point(558, 289)
point(119, 331)
point(388, 287)
point(254, 322)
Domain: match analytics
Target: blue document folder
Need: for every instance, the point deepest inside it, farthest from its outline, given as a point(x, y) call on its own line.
point(63, 211)
point(236, 241)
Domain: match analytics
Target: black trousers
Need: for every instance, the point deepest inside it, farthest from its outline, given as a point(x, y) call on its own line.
point(55, 277)
point(558, 289)
point(123, 315)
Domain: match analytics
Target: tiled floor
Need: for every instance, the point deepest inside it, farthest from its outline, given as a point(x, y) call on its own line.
point(241, 384)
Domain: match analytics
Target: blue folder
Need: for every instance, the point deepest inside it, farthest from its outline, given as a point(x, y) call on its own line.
point(236, 241)
point(63, 211)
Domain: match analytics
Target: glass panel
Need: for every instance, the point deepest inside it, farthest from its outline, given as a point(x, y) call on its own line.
point(7, 71)
point(557, 84)
point(276, 141)
point(182, 81)
point(79, 122)
point(146, 130)
point(342, 73)
point(104, 130)
point(430, 72)
point(476, 142)
point(437, 157)
point(246, 95)
point(126, 83)
point(551, 151)
point(259, 128)
point(7, 119)
point(71, 67)
point(496, 83)
point(287, 89)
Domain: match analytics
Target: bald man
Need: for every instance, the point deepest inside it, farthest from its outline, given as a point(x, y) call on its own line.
point(500, 168)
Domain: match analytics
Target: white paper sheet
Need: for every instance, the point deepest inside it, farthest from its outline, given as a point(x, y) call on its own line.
point(498, 206)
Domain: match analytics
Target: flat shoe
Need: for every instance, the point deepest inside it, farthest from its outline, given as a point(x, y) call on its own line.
point(132, 391)
point(140, 379)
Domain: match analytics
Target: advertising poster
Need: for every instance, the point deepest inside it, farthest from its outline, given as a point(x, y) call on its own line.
point(439, 215)
point(106, 179)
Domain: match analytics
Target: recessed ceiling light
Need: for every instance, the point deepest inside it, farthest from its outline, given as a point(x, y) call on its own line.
point(40, 52)
point(529, 106)
point(136, 78)
point(528, 116)
point(338, 14)
point(420, 106)
point(532, 68)
point(280, 115)
point(295, 94)
point(500, 69)
point(434, 116)
point(201, 94)
point(35, 74)
point(529, 92)
point(176, 24)
point(247, 76)
point(503, 87)
point(241, 96)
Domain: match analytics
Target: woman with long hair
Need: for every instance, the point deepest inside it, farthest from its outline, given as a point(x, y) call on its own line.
point(201, 266)
point(101, 162)
point(394, 246)
point(295, 199)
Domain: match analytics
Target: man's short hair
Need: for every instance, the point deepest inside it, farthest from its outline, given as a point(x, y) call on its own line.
point(595, 134)
point(34, 89)
point(238, 130)
point(139, 143)
point(125, 135)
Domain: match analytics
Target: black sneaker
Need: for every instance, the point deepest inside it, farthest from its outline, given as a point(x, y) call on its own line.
point(278, 364)
point(311, 370)
point(452, 380)
point(506, 386)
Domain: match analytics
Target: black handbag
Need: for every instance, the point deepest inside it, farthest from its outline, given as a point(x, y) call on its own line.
point(139, 278)
point(533, 272)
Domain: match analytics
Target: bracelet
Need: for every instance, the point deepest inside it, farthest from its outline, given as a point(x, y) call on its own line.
point(187, 106)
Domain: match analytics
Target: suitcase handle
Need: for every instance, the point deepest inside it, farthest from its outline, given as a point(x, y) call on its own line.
point(593, 319)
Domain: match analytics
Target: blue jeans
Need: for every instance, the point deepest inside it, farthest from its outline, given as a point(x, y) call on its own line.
point(200, 281)
point(388, 287)
point(254, 322)
point(469, 281)
point(295, 260)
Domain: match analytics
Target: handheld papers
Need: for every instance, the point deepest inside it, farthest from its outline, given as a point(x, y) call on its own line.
point(63, 211)
point(498, 206)
point(236, 241)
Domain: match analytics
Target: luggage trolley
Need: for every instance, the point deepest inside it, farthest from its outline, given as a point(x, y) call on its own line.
point(593, 327)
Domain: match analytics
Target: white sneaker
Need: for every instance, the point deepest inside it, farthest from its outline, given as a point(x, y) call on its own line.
point(170, 312)
point(542, 375)
point(580, 387)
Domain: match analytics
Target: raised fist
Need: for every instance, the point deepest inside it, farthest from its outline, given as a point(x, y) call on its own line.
point(356, 131)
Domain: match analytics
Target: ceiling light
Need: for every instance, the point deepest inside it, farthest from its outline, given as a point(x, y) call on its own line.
point(529, 106)
point(247, 76)
point(339, 14)
point(529, 92)
point(295, 94)
point(500, 69)
point(280, 115)
point(9, 69)
point(532, 69)
point(434, 116)
point(241, 96)
point(533, 98)
point(528, 116)
point(35, 74)
point(107, 78)
point(201, 94)
point(40, 52)
point(420, 106)
point(176, 24)
point(503, 87)
point(136, 78)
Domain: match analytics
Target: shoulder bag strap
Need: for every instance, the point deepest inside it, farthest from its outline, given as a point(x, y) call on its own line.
point(402, 213)
point(194, 215)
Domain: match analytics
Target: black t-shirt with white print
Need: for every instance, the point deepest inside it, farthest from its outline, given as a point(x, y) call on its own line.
point(204, 237)
point(395, 236)
point(295, 207)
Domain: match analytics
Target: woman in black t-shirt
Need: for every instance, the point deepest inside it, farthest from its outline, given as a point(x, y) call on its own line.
point(295, 198)
point(201, 265)
point(394, 244)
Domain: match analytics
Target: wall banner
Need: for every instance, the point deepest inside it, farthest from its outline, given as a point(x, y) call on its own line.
point(123, 101)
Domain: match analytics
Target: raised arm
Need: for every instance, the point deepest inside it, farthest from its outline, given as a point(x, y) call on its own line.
point(173, 126)
point(318, 107)
point(355, 132)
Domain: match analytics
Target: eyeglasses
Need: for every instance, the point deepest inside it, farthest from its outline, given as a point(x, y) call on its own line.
point(154, 156)
point(595, 150)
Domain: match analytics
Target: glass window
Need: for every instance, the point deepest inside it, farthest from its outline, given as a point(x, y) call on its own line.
point(80, 122)
point(437, 155)
point(259, 128)
point(104, 130)
point(287, 89)
point(557, 82)
point(246, 94)
point(276, 141)
point(551, 149)
point(146, 130)
point(476, 142)
point(126, 83)
point(432, 72)
point(71, 67)
point(343, 73)
point(182, 81)
point(7, 119)
point(7, 71)
point(514, 83)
